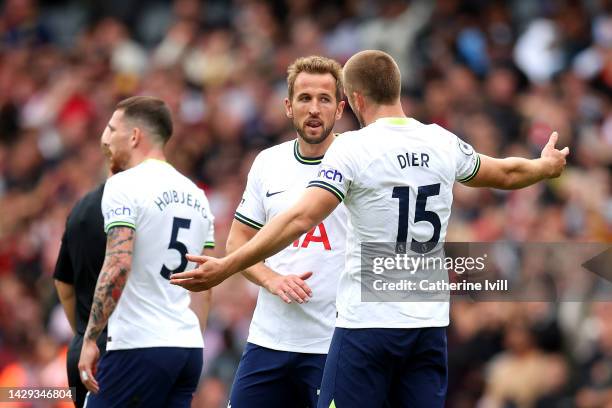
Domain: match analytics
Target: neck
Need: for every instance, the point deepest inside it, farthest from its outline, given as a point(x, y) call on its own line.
point(315, 150)
point(138, 156)
point(383, 111)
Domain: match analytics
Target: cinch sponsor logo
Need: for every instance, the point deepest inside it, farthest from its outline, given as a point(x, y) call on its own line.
point(117, 212)
point(331, 174)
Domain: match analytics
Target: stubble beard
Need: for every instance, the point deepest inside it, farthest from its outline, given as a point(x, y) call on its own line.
point(313, 140)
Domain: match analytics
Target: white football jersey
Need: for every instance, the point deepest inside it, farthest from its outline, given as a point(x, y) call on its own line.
point(276, 181)
point(395, 177)
point(171, 217)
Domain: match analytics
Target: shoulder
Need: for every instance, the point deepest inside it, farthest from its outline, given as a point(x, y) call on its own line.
point(125, 178)
point(271, 156)
point(125, 185)
point(344, 136)
point(347, 144)
point(281, 149)
point(441, 133)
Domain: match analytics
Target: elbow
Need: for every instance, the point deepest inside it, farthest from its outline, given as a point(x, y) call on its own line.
point(65, 291)
point(513, 181)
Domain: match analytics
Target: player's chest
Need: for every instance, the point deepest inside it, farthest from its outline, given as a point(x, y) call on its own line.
point(283, 187)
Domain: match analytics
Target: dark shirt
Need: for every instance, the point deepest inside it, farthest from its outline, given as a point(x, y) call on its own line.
point(82, 253)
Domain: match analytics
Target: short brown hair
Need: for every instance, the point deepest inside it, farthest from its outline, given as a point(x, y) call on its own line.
point(150, 111)
point(374, 74)
point(315, 64)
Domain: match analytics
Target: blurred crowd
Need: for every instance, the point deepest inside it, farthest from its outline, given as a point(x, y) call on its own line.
point(500, 74)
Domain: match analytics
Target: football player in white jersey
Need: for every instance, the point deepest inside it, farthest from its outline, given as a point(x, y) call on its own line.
point(153, 216)
point(290, 332)
point(395, 177)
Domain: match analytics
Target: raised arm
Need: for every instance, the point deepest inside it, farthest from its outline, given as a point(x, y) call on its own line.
point(515, 172)
point(286, 287)
point(111, 282)
point(314, 205)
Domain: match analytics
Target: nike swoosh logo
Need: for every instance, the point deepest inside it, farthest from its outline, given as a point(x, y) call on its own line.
point(269, 194)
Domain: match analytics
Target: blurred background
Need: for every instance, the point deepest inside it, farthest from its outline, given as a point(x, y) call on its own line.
point(500, 74)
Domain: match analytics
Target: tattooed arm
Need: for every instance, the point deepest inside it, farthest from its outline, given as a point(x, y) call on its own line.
point(112, 280)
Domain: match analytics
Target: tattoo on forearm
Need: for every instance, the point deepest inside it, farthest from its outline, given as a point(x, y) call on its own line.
point(112, 279)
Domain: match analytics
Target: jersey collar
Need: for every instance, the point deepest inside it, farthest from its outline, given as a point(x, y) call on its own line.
point(302, 159)
point(158, 161)
point(396, 121)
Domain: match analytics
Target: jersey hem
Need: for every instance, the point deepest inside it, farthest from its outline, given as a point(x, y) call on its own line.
point(247, 221)
point(289, 349)
point(119, 224)
point(473, 173)
point(383, 325)
point(127, 346)
point(328, 187)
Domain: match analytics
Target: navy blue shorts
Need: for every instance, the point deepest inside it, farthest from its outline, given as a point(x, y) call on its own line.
point(147, 377)
point(269, 378)
point(373, 368)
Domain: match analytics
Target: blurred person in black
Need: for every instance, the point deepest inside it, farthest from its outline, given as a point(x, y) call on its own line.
point(76, 273)
point(79, 262)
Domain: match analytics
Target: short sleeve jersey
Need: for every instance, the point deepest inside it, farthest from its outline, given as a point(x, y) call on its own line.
point(395, 178)
point(171, 217)
point(277, 180)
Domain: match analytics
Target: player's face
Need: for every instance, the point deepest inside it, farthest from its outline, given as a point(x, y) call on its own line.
point(115, 142)
point(314, 108)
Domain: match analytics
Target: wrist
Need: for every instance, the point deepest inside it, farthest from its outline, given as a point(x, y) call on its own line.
point(543, 168)
point(230, 265)
point(266, 283)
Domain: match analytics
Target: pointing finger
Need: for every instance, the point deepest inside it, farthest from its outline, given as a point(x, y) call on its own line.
point(197, 258)
point(552, 141)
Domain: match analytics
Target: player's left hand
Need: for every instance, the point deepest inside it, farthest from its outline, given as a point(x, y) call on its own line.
point(87, 365)
point(210, 272)
point(554, 158)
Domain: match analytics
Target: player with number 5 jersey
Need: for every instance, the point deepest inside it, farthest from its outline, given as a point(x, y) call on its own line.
point(153, 216)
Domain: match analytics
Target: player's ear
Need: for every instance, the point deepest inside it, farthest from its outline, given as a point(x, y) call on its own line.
point(359, 101)
point(135, 137)
point(288, 108)
point(340, 109)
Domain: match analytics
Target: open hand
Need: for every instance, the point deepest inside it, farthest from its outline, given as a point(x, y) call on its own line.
point(209, 273)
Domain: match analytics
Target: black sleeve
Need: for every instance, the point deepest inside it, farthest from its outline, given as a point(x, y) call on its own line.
point(63, 266)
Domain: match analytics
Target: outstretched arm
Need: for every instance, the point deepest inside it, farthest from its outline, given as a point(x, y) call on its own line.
point(111, 282)
point(314, 205)
point(515, 172)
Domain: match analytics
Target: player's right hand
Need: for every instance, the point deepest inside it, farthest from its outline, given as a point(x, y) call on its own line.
point(289, 287)
point(87, 365)
point(554, 159)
